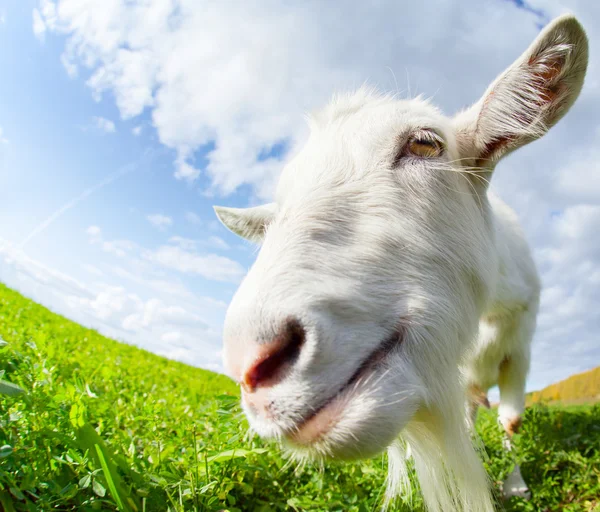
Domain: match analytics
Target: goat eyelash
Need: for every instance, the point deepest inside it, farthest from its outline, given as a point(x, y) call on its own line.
point(426, 144)
point(427, 137)
point(421, 144)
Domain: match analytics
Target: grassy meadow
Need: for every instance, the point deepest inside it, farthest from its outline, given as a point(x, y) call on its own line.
point(106, 426)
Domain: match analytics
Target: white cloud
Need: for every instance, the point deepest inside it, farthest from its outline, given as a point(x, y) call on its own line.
point(579, 224)
point(118, 248)
point(155, 311)
point(185, 171)
point(136, 130)
point(242, 91)
point(106, 305)
point(106, 125)
point(569, 323)
point(139, 273)
point(180, 255)
point(44, 283)
point(247, 89)
point(160, 221)
point(70, 66)
point(172, 325)
point(579, 178)
point(209, 266)
point(94, 231)
point(92, 269)
point(193, 218)
point(39, 27)
point(171, 336)
point(184, 243)
point(217, 243)
point(214, 242)
point(3, 140)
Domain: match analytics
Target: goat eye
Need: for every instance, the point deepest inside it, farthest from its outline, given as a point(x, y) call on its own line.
point(425, 146)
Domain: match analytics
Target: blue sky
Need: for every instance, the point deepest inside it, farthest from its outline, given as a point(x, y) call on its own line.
point(122, 123)
point(68, 156)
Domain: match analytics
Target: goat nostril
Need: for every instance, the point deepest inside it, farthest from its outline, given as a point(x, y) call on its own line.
point(279, 355)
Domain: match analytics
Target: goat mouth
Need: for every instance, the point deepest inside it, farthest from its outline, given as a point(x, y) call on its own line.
point(320, 420)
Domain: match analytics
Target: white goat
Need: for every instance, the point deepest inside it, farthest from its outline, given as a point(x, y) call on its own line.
point(391, 286)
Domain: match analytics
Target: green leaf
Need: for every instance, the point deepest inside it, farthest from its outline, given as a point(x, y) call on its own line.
point(69, 491)
point(10, 389)
point(235, 454)
point(77, 414)
point(6, 502)
point(98, 488)
point(17, 493)
point(5, 450)
point(84, 483)
point(90, 393)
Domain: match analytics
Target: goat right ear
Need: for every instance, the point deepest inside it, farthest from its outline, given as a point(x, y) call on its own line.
point(528, 98)
point(249, 223)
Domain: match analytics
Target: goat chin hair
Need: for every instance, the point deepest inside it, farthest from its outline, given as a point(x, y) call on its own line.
point(446, 462)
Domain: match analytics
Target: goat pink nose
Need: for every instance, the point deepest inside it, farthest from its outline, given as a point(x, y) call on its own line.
point(269, 362)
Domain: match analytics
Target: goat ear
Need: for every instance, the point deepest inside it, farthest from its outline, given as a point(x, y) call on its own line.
point(249, 223)
point(528, 98)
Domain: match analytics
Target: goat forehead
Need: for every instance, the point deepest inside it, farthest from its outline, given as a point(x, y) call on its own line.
point(349, 144)
point(364, 100)
point(376, 116)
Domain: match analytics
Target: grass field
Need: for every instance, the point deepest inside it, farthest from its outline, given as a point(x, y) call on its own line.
point(106, 426)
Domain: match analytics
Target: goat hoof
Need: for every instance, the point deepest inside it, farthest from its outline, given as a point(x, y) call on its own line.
point(515, 486)
point(519, 492)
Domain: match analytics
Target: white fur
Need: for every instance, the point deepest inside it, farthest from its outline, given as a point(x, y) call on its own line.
point(361, 241)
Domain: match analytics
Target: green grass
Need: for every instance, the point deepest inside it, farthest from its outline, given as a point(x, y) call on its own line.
point(106, 426)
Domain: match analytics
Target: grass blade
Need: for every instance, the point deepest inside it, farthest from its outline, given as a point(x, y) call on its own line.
point(109, 479)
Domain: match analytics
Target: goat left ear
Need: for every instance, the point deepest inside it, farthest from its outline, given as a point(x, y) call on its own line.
point(528, 98)
point(249, 223)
